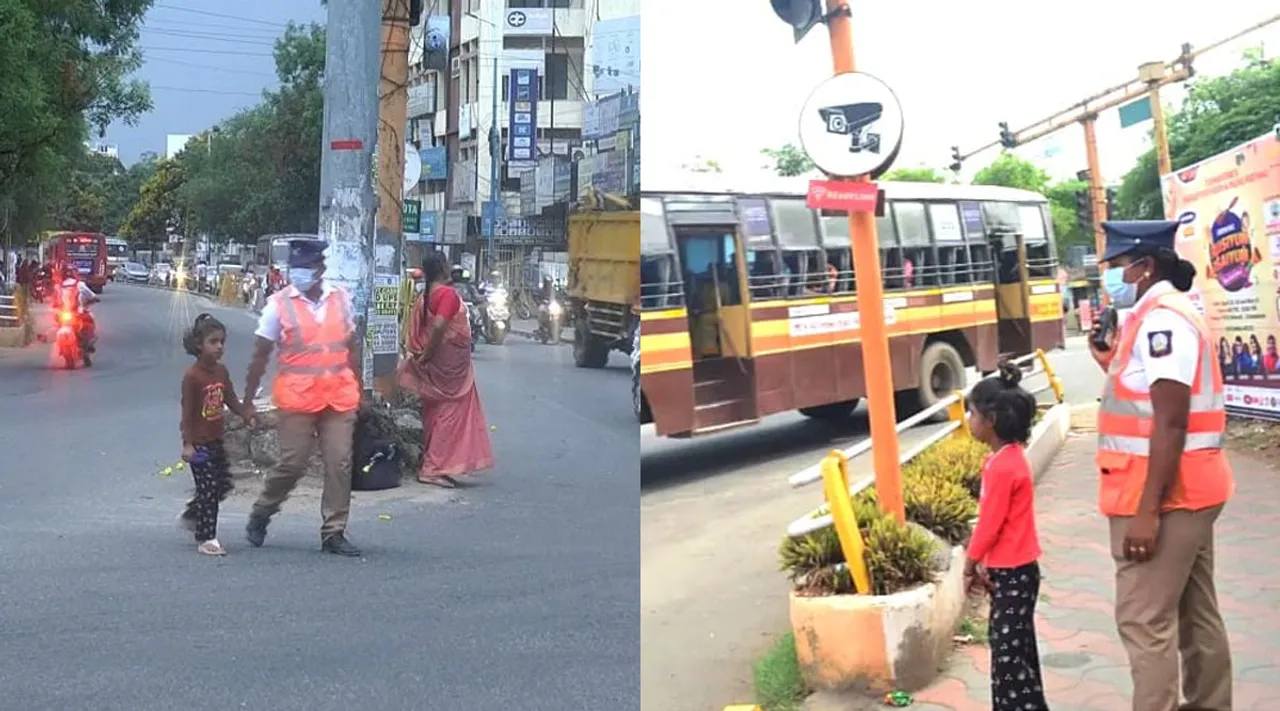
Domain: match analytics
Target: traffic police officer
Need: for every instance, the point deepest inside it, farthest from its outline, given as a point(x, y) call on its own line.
point(316, 390)
point(1164, 476)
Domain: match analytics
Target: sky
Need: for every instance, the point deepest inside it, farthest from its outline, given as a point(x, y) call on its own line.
point(205, 61)
point(724, 79)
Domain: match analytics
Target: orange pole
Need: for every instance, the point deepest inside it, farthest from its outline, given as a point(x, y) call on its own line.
point(876, 372)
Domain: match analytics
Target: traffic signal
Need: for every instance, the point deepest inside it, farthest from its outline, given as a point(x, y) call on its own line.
point(1111, 203)
point(1007, 139)
point(956, 159)
point(1084, 212)
point(415, 12)
point(802, 15)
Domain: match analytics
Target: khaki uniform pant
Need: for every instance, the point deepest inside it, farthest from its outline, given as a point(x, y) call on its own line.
point(1168, 605)
point(297, 432)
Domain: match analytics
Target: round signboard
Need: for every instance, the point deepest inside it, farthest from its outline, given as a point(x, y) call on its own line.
point(852, 125)
point(412, 167)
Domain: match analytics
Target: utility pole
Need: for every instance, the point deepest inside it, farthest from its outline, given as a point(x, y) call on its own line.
point(1097, 191)
point(1153, 74)
point(350, 134)
point(495, 148)
point(393, 98)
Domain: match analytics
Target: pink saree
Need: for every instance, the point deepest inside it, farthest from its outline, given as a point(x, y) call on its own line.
point(455, 432)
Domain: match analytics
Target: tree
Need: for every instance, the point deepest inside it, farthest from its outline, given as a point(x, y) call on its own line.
point(788, 160)
point(259, 172)
point(1217, 114)
point(1011, 171)
point(160, 210)
point(66, 71)
point(914, 175)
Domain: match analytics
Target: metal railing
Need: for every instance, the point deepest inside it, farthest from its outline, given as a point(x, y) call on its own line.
point(956, 424)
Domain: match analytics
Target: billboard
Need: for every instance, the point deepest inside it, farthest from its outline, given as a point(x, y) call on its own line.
point(616, 46)
point(522, 102)
point(1229, 207)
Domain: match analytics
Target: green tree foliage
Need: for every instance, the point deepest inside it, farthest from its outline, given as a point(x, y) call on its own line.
point(1013, 172)
point(914, 175)
point(259, 171)
point(160, 210)
point(67, 67)
point(703, 165)
point(788, 160)
point(1217, 114)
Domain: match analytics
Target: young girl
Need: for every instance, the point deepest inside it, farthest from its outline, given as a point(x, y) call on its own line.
point(206, 389)
point(1004, 548)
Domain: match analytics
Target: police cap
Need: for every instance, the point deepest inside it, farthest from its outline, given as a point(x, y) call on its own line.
point(1123, 237)
point(306, 252)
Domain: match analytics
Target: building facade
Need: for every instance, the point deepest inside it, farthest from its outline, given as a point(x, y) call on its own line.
point(523, 77)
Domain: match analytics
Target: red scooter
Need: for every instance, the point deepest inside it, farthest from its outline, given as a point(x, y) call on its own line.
point(74, 338)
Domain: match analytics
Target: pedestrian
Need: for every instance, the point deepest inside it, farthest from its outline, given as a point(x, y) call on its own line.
point(316, 390)
point(1164, 475)
point(1004, 550)
point(206, 392)
point(439, 370)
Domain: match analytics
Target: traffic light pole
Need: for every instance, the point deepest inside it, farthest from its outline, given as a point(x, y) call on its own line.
point(877, 373)
point(1161, 134)
point(1097, 192)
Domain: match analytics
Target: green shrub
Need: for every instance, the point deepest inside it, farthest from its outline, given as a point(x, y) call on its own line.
point(940, 505)
point(776, 677)
point(958, 459)
point(897, 556)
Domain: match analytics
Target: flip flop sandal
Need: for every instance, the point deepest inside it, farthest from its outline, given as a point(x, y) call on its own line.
point(211, 548)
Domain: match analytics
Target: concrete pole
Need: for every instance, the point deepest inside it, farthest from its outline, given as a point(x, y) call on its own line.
point(350, 134)
point(393, 98)
point(495, 147)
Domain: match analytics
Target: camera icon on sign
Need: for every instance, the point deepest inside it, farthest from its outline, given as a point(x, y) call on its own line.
point(853, 120)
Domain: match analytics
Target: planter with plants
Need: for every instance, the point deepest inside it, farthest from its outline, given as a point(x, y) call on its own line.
point(898, 636)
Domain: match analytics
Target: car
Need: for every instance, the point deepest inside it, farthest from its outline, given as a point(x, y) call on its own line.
point(161, 274)
point(132, 273)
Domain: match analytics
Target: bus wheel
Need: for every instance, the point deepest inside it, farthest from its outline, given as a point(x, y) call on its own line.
point(831, 411)
point(941, 374)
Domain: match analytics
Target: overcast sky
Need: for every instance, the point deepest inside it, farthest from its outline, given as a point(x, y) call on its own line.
point(206, 61)
point(723, 78)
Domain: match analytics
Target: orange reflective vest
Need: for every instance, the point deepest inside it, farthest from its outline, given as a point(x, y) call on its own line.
point(1125, 423)
point(313, 370)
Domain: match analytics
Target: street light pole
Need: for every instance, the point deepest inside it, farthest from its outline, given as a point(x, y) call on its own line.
point(495, 145)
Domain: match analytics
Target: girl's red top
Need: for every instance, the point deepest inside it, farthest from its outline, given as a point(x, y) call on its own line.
point(1005, 536)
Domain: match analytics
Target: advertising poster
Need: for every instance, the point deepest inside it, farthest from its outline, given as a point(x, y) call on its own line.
point(1229, 207)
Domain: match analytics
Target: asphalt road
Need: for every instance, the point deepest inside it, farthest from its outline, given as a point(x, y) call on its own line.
point(520, 592)
point(712, 512)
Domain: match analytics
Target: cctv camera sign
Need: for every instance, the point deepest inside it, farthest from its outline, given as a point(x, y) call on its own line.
point(852, 125)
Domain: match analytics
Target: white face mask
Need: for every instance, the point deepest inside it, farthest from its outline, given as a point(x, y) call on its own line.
point(302, 278)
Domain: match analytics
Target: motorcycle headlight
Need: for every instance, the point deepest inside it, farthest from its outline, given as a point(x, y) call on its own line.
point(555, 308)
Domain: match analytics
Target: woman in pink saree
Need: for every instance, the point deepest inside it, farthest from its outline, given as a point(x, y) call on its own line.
point(439, 370)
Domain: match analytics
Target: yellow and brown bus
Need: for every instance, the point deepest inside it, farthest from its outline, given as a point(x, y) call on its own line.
point(749, 308)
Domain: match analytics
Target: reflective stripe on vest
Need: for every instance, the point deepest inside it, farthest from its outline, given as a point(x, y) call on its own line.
point(1126, 419)
point(292, 350)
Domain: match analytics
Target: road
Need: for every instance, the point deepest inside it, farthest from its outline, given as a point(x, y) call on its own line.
point(712, 512)
point(519, 592)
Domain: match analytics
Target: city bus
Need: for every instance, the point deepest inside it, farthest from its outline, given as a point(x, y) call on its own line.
point(749, 308)
point(117, 255)
point(86, 251)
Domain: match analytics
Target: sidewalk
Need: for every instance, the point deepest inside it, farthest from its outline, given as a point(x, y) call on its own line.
point(1085, 667)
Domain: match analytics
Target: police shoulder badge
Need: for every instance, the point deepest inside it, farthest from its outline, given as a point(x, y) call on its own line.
point(1160, 343)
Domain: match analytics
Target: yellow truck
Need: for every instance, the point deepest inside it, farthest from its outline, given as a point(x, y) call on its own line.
point(604, 277)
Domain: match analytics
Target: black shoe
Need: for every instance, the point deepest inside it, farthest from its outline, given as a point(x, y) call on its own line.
point(338, 544)
point(256, 531)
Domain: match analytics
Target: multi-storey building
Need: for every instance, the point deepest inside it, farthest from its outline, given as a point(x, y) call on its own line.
point(463, 103)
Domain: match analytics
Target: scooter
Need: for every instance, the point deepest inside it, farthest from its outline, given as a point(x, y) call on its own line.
point(497, 317)
point(550, 322)
point(72, 341)
point(477, 323)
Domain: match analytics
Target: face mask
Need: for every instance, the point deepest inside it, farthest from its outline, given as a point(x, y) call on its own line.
point(303, 279)
point(1122, 294)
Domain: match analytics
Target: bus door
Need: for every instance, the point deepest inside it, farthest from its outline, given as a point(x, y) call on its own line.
point(1012, 295)
point(666, 359)
point(711, 263)
point(1045, 288)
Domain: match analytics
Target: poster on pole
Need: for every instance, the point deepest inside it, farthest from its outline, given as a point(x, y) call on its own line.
point(383, 330)
point(1229, 207)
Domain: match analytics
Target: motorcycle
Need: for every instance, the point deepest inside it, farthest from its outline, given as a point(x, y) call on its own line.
point(477, 322)
point(550, 322)
point(72, 339)
point(496, 317)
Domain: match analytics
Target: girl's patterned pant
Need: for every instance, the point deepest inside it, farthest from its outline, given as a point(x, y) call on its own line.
point(1016, 682)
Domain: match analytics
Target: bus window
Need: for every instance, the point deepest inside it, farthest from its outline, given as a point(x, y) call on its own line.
point(975, 236)
point(1037, 231)
point(708, 260)
point(948, 238)
point(806, 272)
point(890, 253)
point(835, 239)
point(659, 286)
point(920, 265)
point(764, 264)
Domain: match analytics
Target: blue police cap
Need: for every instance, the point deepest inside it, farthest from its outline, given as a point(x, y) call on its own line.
point(1125, 236)
point(306, 252)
